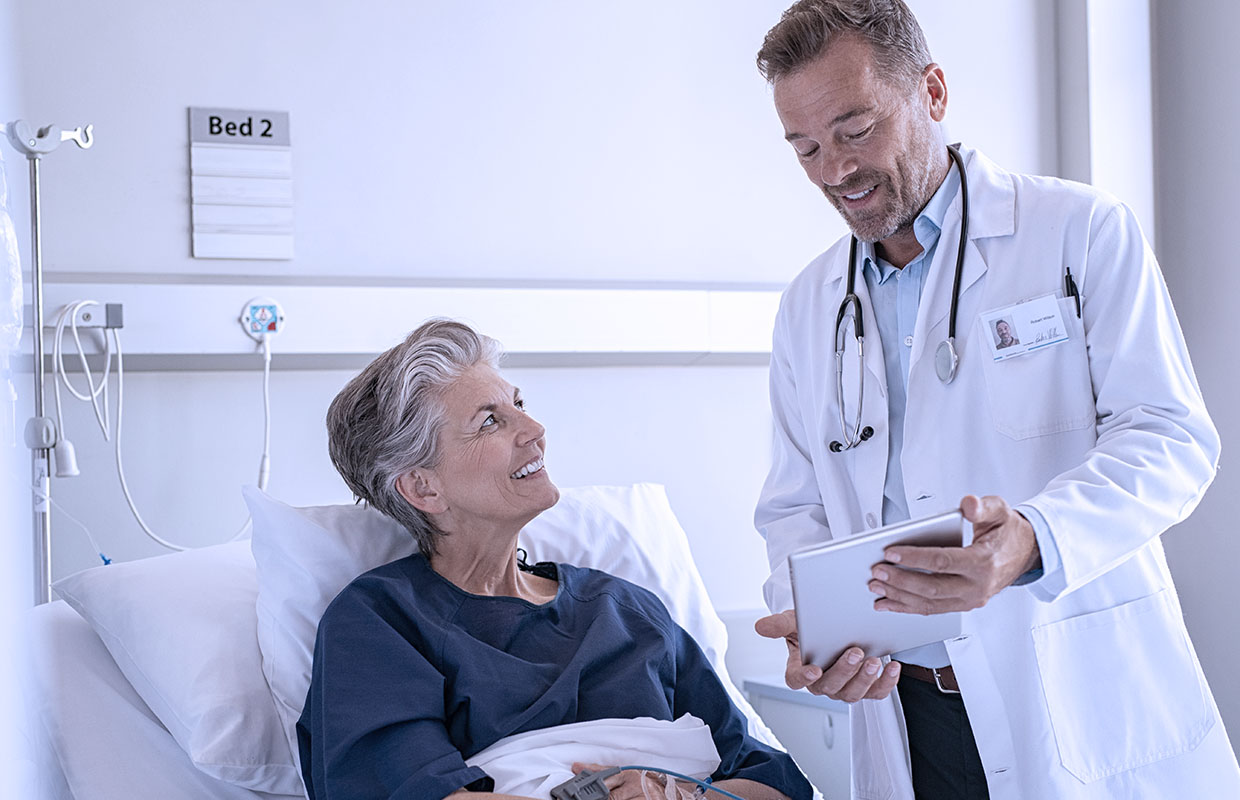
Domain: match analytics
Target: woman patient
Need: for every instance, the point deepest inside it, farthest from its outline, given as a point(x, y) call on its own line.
point(425, 662)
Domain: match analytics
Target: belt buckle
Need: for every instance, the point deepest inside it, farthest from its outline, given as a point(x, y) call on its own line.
point(938, 681)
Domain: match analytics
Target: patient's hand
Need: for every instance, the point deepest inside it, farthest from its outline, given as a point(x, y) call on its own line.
point(853, 677)
point(633, 784)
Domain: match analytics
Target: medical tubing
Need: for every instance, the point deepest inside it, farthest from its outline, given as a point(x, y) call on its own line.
point(703, 784)
point(81, 525)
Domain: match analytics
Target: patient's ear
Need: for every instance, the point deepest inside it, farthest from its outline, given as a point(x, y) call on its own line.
point(418, 488)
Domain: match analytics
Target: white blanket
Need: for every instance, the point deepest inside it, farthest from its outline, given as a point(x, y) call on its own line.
point(531, 764)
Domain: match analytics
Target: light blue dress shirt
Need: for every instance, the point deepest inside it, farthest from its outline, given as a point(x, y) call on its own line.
point(895, 295)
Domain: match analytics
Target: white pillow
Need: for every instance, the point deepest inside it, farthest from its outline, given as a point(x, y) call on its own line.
point(305, 556)
point(182, 629)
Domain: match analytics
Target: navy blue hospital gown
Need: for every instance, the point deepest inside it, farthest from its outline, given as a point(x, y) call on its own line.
point(412, 675)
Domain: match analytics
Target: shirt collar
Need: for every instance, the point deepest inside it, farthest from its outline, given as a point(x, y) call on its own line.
point(926, 227)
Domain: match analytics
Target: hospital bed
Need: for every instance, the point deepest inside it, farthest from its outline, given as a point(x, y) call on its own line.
point(180, 677)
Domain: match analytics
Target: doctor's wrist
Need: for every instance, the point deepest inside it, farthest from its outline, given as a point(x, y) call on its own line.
point(1033, 564)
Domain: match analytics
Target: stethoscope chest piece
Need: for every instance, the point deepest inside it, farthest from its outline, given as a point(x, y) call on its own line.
point(945, 360)
point(945, 357)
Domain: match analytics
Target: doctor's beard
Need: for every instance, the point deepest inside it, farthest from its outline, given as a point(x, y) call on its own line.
point(902, 201)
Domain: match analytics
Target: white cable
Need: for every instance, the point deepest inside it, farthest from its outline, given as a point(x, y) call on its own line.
point(264, 464)
point(60, 374)
point(120, 467)
point(68, 316)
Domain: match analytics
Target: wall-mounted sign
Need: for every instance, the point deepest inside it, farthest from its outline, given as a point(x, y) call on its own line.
point(241, 179)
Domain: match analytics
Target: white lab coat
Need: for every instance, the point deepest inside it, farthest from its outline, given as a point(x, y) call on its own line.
point(1083, 684)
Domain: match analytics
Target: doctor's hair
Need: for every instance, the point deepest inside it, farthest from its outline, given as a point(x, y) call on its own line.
point(385, 422)
point(808, 27)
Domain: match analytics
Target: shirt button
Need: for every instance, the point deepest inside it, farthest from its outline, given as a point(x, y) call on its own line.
point(908, 341)
point(871, 520)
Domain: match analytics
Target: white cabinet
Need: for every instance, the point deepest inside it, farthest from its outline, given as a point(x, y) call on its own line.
point(814, 729)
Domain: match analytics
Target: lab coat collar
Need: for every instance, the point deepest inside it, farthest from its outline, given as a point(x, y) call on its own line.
point(992, 197)
point(992, 212)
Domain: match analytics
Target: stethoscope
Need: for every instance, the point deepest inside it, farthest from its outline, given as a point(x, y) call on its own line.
point(946, 358)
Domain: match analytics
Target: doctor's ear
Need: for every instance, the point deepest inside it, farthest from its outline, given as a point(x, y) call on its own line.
point(935, 91)
point(417, 487)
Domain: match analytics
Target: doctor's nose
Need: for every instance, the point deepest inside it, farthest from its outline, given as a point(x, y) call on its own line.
point(834, 169)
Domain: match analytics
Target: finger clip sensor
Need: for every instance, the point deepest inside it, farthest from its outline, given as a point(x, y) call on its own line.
point(586, 785)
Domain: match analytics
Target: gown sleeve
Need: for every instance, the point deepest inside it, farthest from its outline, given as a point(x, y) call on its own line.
point(374, 721)
point(699, 692)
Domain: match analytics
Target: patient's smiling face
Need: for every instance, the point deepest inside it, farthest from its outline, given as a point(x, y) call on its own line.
point(490, 473)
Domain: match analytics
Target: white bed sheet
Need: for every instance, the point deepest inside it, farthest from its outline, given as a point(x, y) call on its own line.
point(97, 739)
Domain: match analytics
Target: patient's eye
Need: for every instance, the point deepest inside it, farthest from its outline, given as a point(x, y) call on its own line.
point(490, 421)
point(519, 403)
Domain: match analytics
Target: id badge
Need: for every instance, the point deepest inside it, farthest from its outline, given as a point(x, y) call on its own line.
point(1024, 327)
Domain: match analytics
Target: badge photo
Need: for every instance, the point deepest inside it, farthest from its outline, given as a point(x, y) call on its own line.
point(1024, 327)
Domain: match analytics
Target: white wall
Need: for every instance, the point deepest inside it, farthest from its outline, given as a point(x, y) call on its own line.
point(553, 142)
point(554, 139)
point(1197, 162)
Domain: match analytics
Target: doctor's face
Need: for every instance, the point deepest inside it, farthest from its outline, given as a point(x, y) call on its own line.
point(873, 147)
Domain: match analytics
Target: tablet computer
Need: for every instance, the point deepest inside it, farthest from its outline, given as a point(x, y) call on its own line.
point(835, 608)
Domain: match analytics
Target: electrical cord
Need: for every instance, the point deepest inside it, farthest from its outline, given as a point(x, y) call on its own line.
point(264, 464)
point(588, 785)
point(702, 785)
point(68, 318)
point(68, 315)
point(120, 467)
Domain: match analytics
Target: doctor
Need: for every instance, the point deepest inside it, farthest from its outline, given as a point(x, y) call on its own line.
point(1075, 677)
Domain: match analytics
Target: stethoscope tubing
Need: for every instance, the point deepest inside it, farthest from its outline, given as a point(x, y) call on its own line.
point(946, 358)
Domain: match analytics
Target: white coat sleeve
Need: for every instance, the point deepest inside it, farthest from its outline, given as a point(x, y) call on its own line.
point(790, 513)
point(1156, 449)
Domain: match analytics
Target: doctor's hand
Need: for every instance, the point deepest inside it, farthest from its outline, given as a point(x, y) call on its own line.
point(851, 678)
point(959, 578)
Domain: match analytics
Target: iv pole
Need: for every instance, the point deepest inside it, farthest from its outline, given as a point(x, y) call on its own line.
point(41, 433)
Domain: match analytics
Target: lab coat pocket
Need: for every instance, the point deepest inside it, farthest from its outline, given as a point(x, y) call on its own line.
point(1103, 725)
point(1045, 391)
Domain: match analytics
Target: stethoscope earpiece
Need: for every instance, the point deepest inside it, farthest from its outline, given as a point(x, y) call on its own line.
point(866, 434)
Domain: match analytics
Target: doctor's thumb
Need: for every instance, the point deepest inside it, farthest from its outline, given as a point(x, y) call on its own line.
point(777, 626)
point(981, 510)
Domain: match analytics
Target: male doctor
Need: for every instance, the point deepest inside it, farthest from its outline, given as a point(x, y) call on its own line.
point(1075, 677)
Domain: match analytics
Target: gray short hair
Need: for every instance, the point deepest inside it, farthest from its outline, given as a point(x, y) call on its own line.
point(809, 26)
point(385, 422)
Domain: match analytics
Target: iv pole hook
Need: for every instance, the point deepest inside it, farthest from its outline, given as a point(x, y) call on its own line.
point(84, 137)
